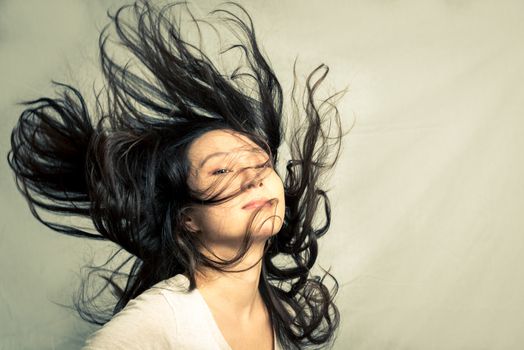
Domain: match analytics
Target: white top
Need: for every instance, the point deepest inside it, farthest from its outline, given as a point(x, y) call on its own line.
point(165, 316)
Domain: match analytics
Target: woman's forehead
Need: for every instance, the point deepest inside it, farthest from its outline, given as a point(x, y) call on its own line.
point(220, 141)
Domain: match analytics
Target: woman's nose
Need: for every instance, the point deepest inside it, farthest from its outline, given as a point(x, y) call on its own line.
point(255, 183)
point(253, 178)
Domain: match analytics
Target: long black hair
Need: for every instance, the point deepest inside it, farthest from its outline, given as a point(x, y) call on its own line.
point(122, 163)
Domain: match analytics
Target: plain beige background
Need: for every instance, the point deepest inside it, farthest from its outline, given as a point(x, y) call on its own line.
point(427, 235)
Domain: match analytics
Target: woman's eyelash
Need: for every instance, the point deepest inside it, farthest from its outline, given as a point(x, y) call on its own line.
point(217, 171)
point(266, 164)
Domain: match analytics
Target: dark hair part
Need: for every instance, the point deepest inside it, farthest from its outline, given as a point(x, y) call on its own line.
point(124, 165)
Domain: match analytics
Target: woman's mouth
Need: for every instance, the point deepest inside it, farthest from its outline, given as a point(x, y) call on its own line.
point(257, 203)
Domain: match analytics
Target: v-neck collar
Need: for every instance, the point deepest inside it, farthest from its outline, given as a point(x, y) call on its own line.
point(217, 333)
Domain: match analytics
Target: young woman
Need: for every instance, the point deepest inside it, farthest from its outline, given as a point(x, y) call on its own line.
point(179, 167)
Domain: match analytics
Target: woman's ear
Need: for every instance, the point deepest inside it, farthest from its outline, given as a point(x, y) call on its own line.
point(190, 223)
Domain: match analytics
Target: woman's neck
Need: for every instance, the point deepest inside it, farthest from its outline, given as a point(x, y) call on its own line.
point(235, 293)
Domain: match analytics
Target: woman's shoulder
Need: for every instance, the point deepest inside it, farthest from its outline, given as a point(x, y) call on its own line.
point(147, 319)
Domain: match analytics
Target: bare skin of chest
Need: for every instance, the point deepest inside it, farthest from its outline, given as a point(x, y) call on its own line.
point(257, 334)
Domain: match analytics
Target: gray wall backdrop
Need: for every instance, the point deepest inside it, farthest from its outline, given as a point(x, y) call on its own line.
point(427, 234)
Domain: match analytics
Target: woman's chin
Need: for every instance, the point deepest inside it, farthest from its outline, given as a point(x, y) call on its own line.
point(269, 228)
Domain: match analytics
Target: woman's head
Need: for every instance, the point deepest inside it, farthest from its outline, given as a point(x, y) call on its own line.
point(227, 170)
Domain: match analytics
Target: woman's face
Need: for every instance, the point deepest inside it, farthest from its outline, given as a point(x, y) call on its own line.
point(224, 161)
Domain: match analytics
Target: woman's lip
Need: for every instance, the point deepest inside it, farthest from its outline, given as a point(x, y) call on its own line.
point(256, 203)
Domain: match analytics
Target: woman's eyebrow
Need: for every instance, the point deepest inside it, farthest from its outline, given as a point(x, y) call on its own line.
point(254, 149)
